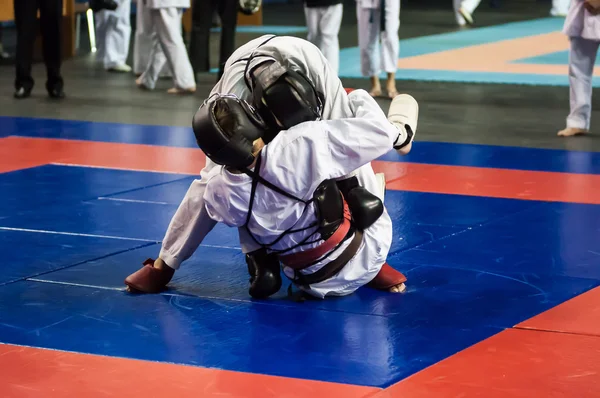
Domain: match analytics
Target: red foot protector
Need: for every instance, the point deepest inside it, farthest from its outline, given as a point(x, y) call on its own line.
point(148, 279)
point(349, 90)
point(386, 278)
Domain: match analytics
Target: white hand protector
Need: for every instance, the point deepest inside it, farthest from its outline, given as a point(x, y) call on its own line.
point(404, 114)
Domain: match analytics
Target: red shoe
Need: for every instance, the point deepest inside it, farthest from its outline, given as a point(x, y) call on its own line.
point(149, 279)
point(349, 90)
point(386, 278)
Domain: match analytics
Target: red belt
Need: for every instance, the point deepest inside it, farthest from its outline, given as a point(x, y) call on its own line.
point(301, 259)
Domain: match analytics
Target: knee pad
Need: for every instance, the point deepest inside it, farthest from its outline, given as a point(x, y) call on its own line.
point(265, 276)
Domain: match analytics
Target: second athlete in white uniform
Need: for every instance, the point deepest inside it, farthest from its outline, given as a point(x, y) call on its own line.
point(314, 78)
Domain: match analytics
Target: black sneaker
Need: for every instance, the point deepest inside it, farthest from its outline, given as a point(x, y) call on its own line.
point(56, 93)
point(22, 93)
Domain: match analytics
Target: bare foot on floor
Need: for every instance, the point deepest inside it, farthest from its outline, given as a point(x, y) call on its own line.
point(375, 87)
point(571, 131)
point(181, 91)
point(375, 92)
point(140, 84)
point(392, 91)
point(401, 288)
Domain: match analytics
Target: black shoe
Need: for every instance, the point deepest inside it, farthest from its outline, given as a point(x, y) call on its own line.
point(22, 93)
point(56, 93)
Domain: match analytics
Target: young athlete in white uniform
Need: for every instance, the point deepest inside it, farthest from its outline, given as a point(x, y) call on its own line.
point(191, 223)
point(582, 25)
point(284, 193)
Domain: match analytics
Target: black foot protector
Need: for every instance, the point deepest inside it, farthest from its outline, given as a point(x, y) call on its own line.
point(265, 276)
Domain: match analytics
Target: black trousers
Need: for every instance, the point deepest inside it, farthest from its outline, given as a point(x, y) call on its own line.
point(51, 25)
point(202, 13)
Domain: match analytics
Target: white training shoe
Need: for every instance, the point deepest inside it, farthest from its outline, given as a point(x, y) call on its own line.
point(124, 68)
point(466, 15)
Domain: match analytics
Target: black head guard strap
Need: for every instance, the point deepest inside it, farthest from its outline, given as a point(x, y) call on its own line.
point(285, 97)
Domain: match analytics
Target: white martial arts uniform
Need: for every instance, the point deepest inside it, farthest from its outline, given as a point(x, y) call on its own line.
point(560, 8)
point(143, 40)
point(468, 5)
point(323, 25)
point(113, 32)
point(368, 14)
point(191, 223)
point(298, 161)
point(165, 23)
point(583, 30)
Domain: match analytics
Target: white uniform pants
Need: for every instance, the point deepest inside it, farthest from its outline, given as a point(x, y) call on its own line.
point(323, 29)
point(166, 26)
point(369, 33)
point(143, 42)
point(113, 32)
point(582, 56)
point(560, 7)
point(469, 5)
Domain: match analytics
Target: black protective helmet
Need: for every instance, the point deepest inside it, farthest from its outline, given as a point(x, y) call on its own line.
point(285, 97)
point(228, 143)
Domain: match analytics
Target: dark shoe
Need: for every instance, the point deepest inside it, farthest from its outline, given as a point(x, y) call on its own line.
point(56, 93)
point(22, 93)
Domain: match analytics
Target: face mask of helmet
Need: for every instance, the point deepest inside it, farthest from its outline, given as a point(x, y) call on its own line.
point(226, 128)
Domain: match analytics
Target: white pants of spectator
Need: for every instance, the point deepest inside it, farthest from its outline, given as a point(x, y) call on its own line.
point(113, 33)
point(374, 57)
point(323, 25)
point(142, 43)
point(166, 26)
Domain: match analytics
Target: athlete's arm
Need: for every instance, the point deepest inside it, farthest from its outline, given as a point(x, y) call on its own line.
point(224, 199)
point(311, 152)
point(343, 145)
